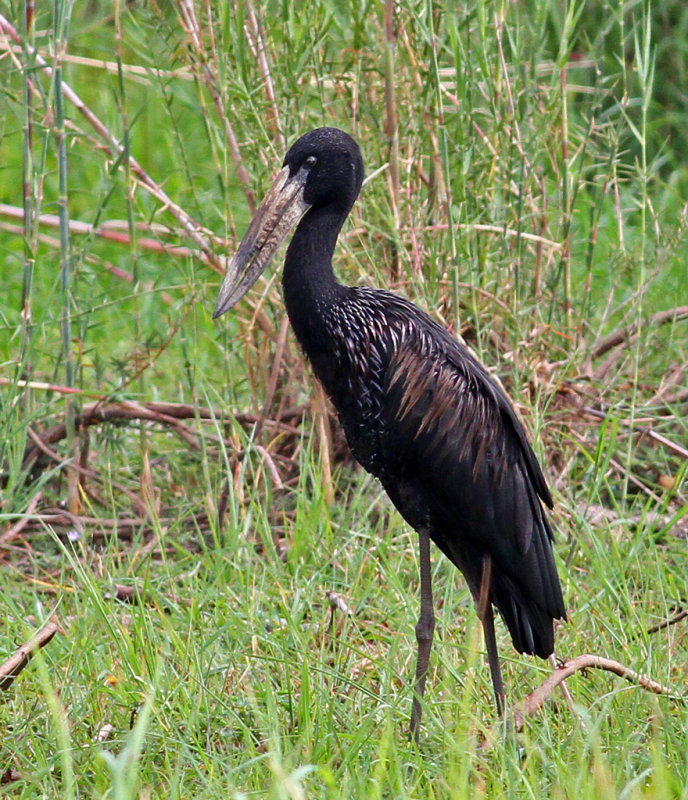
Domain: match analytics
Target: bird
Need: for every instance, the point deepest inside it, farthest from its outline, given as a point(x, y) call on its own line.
point(420, 412)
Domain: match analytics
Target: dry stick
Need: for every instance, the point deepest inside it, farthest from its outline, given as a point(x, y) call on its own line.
point(257, 44)
point(209, 78)
point(86, 471)
point(663, 396)
point(628, 335)
point(501, 229)
point(274, 373)
point(16, 663)
point(154, 412)
point(539, 249)
point(623, 471)
point(106, 265)
point(672, 398)
point(136, 72)
point(642, 429)
point(62, 518)
point(127, 410)
point(116, 152)
point(97, 412)
point(15, 531)
point(564, 688)
point(536, 699)
point(666, 623)
point(270, 464)
point(391, 131)
point(110, 230)
point(322, 421)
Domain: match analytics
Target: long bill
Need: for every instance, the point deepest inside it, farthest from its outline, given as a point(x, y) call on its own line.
point(280, 211)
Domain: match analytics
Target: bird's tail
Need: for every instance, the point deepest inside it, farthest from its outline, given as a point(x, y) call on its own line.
point(529, 609)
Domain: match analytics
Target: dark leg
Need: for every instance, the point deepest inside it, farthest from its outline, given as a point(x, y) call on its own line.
point(424, 631)
point(486, 616)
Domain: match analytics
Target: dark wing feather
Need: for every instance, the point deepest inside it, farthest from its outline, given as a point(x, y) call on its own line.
point(456, 458)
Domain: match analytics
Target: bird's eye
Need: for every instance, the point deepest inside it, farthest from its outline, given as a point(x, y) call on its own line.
point(310, 161)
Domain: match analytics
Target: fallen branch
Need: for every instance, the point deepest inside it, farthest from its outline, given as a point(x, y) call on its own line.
point(110, 231)
point(116, 150)
point(627, 335)
point(536, 699)
point(642, 429)
point(666, 623)
point(165, 413)
point(168, 414)
point(16, 663)
point(15, 530)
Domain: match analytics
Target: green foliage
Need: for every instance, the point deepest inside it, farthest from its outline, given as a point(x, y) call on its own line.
point(533, 199)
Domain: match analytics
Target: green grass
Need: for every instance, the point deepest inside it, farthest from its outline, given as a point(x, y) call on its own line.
point(539, 206)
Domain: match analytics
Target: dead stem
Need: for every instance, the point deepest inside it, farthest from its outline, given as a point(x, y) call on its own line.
point(208, 76)
point(391, 131)
point(257, 44)
point(666, 623)
point(16, 663)
point(642, 429)
point(628, 335)
point(111, 145)
point(536, 699)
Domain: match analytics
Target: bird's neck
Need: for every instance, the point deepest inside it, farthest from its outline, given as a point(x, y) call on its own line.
point(308, 281)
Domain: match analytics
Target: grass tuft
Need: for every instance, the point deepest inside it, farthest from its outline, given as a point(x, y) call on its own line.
point(235, 599)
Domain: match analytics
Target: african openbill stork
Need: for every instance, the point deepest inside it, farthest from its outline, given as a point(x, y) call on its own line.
point(420, 412)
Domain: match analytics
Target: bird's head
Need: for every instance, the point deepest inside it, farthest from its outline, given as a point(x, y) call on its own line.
point(332, 165)
point(323, 168)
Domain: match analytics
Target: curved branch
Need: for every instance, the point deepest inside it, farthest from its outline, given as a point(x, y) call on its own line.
point(16, 663)
point(535, 700)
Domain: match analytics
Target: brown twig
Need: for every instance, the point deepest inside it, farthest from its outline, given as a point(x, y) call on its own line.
point(666, 623)
point(124, 527)
point(16, 663)
point(110, 231)
point(81, 469)
point(274, 373)
point(257, 44)
point(15, 531)
point(627, 335)
point(391, 132)
point(164, 413)
point(106, 265)
point(642, 429)
point(209, 77)
point(117, 152)
point(536, 699)
point(677, 376)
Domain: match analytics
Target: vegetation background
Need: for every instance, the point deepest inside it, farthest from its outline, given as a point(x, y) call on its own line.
point(233, 600)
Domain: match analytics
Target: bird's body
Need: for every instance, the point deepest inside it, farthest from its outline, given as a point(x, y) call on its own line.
point(423, 415)
point(418, 409)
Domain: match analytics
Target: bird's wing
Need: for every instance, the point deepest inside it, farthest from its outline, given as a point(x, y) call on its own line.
point(456, 450)
point(449, 429)
point(446, 419)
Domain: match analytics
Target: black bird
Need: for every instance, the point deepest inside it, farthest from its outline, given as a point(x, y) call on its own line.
point(420, 412)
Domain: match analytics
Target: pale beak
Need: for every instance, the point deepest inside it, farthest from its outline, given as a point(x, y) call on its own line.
point(276, 216)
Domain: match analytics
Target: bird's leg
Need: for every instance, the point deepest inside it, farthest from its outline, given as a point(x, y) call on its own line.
point(424, 631)
point(486, 616)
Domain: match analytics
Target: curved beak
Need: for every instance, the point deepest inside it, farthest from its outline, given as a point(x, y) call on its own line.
point(276, 216)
